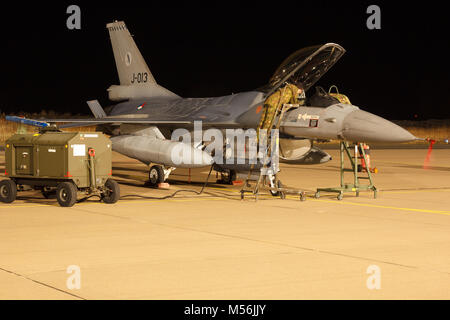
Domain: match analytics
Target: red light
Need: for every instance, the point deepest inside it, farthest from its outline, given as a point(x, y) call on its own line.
point(426, 163)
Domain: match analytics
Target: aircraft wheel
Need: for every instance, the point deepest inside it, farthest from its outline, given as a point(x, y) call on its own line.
point(278, 185)
point(112, 193)
point(155, 176)
point(317, 195)
point(340, 196)
point(66, 194)
point(231, 177)
point(8, 191)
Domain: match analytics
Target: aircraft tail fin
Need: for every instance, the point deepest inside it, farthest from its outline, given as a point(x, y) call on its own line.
point(96, 108)
point(136, 80)
point(130, 64)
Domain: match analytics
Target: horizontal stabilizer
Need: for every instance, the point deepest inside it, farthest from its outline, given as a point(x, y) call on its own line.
point(96, 108)
point(29, 122)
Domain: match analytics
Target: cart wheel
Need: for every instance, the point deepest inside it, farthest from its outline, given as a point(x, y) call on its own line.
point(340, 196)
point(317, 195)
point(8, 191)
point(357, 193)
point(112, 193)
point(66, 194)
point(303, 196)
point(242, 195)
point(155, 176)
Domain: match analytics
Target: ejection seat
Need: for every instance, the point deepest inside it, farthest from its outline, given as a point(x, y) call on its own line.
point(321, 98)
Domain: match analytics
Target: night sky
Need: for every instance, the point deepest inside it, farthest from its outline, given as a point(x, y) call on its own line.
point(198, 50)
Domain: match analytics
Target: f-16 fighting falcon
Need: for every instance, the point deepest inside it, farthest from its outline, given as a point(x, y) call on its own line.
point(146, 114)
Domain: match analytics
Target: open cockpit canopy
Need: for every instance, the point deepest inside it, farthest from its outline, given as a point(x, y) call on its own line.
point(305, 66)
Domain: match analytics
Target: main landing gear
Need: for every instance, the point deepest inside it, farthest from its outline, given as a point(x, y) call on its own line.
point(158, 174)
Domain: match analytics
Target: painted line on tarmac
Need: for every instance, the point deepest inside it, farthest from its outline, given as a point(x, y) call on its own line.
point(373, 205)
point(383, 207)
point(26, 206)
point(406, 191)
point(409, 163)
point(121, 201)
point(263, 196)
point(399, 191)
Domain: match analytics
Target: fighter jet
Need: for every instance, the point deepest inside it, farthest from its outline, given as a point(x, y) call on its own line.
point(145, 114)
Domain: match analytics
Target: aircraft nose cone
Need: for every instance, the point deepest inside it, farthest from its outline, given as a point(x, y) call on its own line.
point(362, 126)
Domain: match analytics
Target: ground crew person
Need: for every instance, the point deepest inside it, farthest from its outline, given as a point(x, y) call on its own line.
point(287, 94)
point(365, 166)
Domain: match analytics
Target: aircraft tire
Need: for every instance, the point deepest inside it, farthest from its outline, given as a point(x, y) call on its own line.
point(155, 176)
point(231, 176)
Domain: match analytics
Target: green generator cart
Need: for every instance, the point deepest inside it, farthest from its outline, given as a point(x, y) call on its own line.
point(59, 163)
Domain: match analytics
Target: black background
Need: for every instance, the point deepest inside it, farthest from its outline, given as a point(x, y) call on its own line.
point(274, 310)
point(218, 48)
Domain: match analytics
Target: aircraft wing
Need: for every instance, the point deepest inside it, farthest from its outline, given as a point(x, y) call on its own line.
point(69, 123)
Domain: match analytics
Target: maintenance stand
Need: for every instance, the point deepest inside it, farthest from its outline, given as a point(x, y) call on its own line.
point(268, 171)
point(356, 186)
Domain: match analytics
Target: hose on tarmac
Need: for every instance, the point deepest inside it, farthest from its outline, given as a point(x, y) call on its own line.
point(175, 193)
point(159, 198)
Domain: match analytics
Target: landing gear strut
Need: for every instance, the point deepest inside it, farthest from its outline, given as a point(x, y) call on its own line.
point(226, 176)
point(158, 174)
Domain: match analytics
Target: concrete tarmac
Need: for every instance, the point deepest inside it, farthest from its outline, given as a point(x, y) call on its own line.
point(215, 246)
